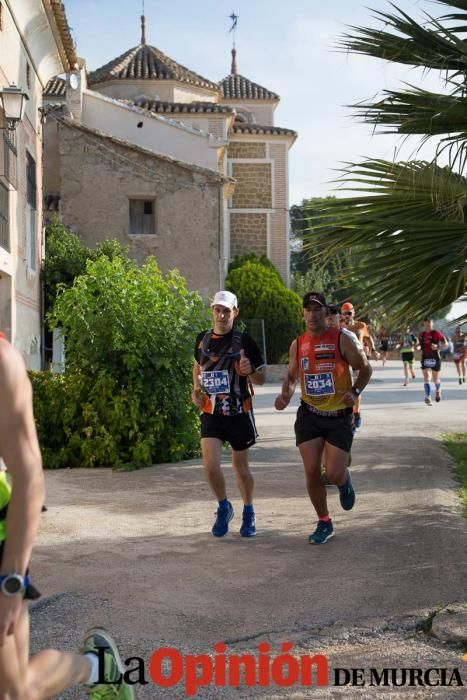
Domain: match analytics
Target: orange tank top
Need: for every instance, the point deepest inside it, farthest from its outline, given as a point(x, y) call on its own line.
point(324, 374)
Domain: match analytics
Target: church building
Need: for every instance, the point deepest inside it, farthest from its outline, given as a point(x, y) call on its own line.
point(169, 163)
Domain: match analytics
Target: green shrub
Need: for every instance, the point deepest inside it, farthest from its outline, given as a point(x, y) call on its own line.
point(240, 260)
point(101, 424)
point(262, 294)
point(125, 399)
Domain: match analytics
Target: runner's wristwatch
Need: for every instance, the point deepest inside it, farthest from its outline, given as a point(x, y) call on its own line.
point(13, 584)
point(356, 391)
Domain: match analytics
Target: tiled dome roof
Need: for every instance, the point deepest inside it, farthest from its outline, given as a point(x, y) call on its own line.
point(238, 87)
point(242, 128)
point(145, 62)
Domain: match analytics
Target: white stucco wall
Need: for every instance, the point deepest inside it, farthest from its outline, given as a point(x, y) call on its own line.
point(26, 39)
point(157, 134)
point(28, 18)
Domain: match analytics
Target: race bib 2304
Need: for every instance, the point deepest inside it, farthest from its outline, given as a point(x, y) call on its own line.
point(216, 382)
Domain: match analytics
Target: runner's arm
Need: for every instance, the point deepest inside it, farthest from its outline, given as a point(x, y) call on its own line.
point(197, 393)
point(290, 380)
point(245, 368)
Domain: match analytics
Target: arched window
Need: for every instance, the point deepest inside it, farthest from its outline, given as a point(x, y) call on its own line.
point(244, 116)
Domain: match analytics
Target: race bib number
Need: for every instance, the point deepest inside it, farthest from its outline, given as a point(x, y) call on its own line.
point(319, 384)
point(429, 362)
point(216, 382)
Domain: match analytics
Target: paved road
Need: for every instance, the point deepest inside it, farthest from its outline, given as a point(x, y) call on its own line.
point(134, 551)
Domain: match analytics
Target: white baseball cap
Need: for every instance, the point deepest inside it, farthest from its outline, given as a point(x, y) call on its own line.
point(225, 299)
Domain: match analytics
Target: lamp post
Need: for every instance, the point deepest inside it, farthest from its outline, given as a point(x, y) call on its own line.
point(13, 102)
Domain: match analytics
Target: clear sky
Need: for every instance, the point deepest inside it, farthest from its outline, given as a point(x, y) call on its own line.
point(284, 46)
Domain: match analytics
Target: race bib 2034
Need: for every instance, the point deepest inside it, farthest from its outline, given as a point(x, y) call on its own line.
point(319, 384)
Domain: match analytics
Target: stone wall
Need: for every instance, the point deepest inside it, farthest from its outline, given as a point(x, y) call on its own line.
point(254, 186)
point(98, 178)
point(248, 234)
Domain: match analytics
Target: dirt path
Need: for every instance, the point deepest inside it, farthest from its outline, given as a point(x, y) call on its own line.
point(134, 551)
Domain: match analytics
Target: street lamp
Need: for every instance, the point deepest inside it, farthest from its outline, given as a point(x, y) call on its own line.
point(13, 102)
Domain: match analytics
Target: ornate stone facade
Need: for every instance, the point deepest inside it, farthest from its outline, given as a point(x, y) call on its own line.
point(254, 186)
point(237, 149)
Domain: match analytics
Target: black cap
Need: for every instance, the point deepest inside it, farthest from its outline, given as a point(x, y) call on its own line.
point(315, 297)
point(334, 309)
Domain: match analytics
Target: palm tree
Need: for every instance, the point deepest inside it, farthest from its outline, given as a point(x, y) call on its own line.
point(408, 219)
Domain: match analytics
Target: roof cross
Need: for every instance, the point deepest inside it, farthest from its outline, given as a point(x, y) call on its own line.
point(143, 26)
point(234, 18)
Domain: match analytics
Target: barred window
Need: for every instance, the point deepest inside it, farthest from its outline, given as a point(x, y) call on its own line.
point(8, 155)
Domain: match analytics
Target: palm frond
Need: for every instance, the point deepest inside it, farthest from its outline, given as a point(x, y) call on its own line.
point(431, 46)
point(460, 4)
point(416, 111)
point(410, 230)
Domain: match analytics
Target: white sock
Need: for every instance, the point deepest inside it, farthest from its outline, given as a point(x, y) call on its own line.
point(94, 660)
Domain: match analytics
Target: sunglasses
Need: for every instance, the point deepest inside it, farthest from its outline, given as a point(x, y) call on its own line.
point(347, 313)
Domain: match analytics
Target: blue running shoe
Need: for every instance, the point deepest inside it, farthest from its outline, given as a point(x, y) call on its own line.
point(323, 533)
point(347, 494)
point(248, 528)
point(223, 518)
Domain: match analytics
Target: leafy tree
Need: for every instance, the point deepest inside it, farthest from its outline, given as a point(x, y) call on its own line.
point(66, 257)
point(409, 218)
point(334, 276)
point(262, 295)
point(303, 218)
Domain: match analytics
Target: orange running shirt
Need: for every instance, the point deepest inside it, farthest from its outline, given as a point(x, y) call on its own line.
point(360, 329)
point(324, 374)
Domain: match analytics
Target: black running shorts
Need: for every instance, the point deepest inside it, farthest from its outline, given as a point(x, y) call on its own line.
point(433, 363)
point(239, 431)
point(31, 592)
point(407, 357)
point(337, 430)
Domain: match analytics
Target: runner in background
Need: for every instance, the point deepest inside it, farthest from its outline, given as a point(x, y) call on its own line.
point(333, 321)
point(431, 341)
point(459, 341)
point(383, 340)
point(407, 345)
point(360, 328)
